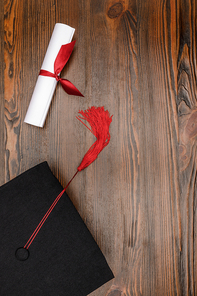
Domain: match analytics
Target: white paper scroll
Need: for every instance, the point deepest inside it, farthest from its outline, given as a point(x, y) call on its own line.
point(45, 86)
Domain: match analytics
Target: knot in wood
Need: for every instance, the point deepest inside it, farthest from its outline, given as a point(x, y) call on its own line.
point(11, 70)
point(115, 10)
point(115, 293)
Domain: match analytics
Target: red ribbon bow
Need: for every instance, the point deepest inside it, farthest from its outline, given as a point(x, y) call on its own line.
point(60, 61)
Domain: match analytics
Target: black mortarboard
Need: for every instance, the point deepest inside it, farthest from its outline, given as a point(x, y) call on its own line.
point(63, 259)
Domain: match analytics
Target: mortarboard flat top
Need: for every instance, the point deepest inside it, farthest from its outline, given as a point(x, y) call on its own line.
point(64, 258)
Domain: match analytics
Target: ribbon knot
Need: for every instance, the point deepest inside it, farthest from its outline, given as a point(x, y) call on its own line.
point(57, 77)
point(60, 61)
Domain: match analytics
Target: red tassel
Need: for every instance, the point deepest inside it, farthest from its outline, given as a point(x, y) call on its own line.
point(99, 120)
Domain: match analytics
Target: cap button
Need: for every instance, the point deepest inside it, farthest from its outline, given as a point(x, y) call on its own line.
point(22, 254)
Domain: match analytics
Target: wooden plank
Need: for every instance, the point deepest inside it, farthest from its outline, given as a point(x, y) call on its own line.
point(38, 24)
point(26, 41)
point(12, 56)
point(158, 161)
point(2, 143)
point(186, 105)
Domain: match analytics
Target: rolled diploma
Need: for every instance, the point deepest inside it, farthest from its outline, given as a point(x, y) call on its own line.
point(45, 86)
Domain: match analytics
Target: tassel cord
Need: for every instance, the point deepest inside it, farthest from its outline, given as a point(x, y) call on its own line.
point(34, 234)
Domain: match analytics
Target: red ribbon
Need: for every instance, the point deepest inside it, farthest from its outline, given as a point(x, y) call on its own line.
point(60, 61)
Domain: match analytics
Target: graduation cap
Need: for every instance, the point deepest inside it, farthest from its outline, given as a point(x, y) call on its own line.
point(45, 247)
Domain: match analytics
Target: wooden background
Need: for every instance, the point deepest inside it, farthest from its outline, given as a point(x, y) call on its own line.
point(138, 59)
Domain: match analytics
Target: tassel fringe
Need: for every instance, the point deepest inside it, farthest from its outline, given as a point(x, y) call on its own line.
point(99, 121)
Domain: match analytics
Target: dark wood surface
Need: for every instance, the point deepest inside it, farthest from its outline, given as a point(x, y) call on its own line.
point(138, 59)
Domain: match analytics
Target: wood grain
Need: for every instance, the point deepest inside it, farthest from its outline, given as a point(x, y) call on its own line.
point(186, 102)
point(2, 145)
point(12, 86)
point(138, 59)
